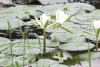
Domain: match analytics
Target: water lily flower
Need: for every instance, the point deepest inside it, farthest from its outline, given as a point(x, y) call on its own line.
point(43, 20)
point(96, 27)
point(61, 17)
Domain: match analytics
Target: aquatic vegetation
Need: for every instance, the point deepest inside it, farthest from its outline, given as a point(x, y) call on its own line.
point(39, 52)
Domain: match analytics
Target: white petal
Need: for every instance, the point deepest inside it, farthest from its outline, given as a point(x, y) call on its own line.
point(44, 18)
point(38, 21)
point(57, 15)
point(61, 17)
point(96, 24)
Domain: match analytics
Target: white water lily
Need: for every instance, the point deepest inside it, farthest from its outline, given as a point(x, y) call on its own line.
point(96, 27)
point(43, 20)
point(61, 17)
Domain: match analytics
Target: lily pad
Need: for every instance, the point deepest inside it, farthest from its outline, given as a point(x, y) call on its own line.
point(21, 11)
point(34, 43)
point(7, 60)
point(64, 36)
point(28, 50)
point(93, 55)
point(4, 10)
point(76, 46)
point(20, 60)
point(13, 22)
point(72, 8)
point(92, 37)
point(83, 16)
point(31, 47)
point(84, 6)
point(4, 40)
point(90, 27)
point(75, 20)
point(43, 63)
point(59, 65)
point(51, 2)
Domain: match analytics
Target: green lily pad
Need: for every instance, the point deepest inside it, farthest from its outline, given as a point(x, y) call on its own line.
point(93, 55)
point(4, 40)
point(73, 19)
point(7, 60)
point(31, 47)
point(72, 8)
point(59, 65)
point(76, 46)
point(21, 11)
point(43, 63)
point(4, 10)
point(90, 27)
point(4, 60)
point(13, 22)
point(34, 43)
point(20, 60)
point(28, 50)
point(83, 16)
point(92, 37)
point(64, 36)
point(84, 6)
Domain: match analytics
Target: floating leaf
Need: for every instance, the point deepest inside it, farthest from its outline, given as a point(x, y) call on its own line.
point(21, 11)
point(93, 55)
point(92, 37)
point(63, 36)
point(13, 22)
point(73, 19)
point(31, 47)
point(76, 46)
point(35, 43)
point(4, 40)
point(81, 15)
point(4, 10)
point(59, 65)
point(43, 63)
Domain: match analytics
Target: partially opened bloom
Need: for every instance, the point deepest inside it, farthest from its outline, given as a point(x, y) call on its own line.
point(61, 17)
point(43, 20)
point(96, 27)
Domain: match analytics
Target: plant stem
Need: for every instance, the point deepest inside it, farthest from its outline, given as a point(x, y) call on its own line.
point(11, 46)
point(96, 43)
point(54, 33)
point(44, 41)
point(24, 53)
point(89, 55)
